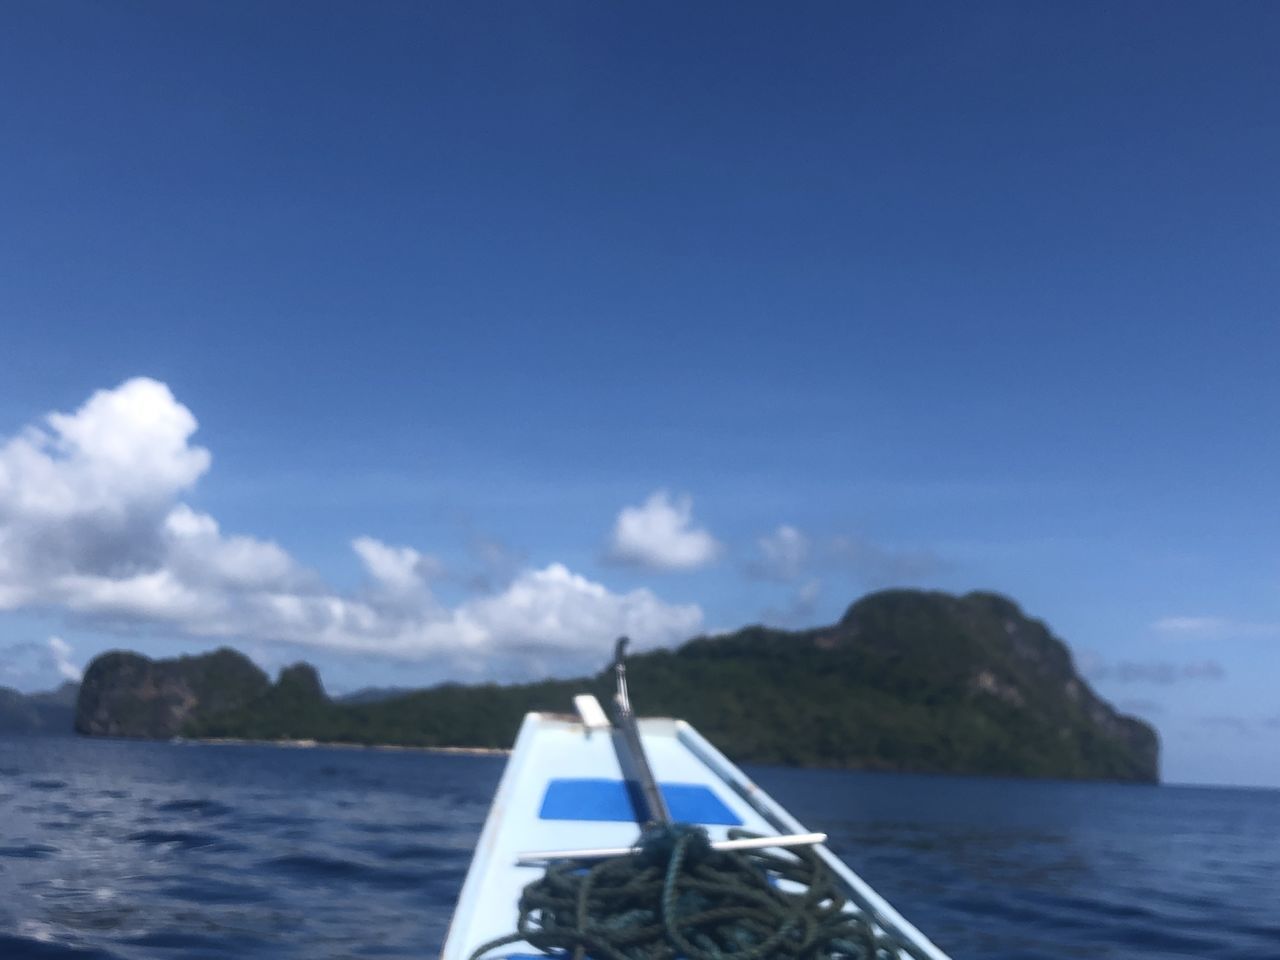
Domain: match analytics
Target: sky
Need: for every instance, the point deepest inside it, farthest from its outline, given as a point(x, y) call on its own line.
point(450, 341)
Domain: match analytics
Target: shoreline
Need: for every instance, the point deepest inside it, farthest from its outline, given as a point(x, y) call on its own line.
point(305, 744)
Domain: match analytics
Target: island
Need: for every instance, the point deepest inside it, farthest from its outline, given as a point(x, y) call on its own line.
point(51, 712)
point(906, 680)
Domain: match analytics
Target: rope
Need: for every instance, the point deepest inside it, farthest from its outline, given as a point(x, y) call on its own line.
point(678, 898)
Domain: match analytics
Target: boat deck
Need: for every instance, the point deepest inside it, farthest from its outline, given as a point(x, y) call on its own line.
point(563, 789)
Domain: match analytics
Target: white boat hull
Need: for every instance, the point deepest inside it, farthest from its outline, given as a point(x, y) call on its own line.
point(563, 789)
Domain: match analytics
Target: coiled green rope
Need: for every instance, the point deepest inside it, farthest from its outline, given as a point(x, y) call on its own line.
point(679, 898)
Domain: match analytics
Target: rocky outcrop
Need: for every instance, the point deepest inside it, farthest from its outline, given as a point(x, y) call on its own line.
point(1014, 670)
point(128, 695)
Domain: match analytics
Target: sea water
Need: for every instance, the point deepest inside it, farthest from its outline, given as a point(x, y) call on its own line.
point(117, 849)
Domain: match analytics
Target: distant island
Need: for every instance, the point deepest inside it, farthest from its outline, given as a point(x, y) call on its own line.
point(52, 712)
point(907, 680)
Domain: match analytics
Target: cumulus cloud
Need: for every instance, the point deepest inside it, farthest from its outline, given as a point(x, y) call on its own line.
point(400, 572)
point(556, 606)
point(125, 450)
point(660, 535)
point(62, 662)
point(92, 523)
point(86, 493)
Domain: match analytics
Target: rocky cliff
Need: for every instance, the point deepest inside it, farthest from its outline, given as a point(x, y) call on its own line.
point(128, 695)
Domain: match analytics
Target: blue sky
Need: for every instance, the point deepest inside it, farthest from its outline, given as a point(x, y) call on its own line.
point(523, 323)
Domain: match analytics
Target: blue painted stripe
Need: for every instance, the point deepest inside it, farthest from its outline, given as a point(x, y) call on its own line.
point(590, 799)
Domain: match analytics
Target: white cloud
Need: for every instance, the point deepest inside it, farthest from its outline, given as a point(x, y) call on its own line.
point(401, 570)
point(91, 523)
point(784, 555)
point(198, 551)
point(563, 609)
point(660, 535)
point(124, 450)
point(61, 651)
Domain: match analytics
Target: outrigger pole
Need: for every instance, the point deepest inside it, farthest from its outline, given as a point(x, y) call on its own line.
point(650, 805)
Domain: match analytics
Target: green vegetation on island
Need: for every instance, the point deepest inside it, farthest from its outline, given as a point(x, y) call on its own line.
point(906, 680)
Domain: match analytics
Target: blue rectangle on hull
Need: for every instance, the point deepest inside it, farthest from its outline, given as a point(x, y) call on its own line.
point(590, 799)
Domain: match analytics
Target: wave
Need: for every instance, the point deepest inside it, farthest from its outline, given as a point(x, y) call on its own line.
point(26, 948)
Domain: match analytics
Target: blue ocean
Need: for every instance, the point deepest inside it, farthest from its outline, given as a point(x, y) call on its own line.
point(159, 851)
